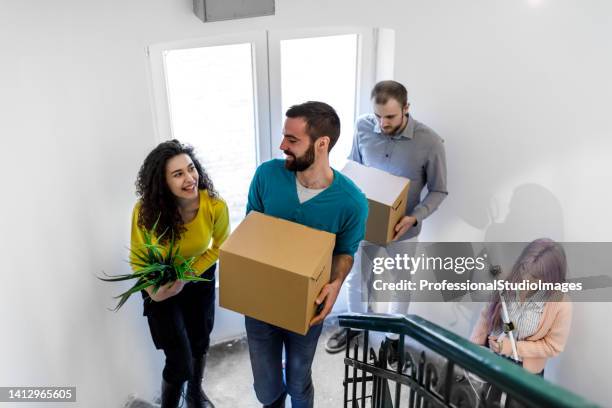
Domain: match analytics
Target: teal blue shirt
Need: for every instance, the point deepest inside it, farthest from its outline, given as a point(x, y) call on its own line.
point(341, 208)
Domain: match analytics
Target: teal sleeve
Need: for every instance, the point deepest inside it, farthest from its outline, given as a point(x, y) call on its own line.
point(254, 202)
point(353, 229)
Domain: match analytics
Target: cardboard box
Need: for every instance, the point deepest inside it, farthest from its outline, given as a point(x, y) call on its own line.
point(273, 270)
point(387, 198)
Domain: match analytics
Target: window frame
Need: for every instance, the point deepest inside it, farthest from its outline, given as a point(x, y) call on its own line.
point(365, 75)
point(265, 46)
point(259, 56)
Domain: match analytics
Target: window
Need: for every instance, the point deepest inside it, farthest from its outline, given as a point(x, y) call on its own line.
point(206, 93)
point(323, 69)
point(227, 95)
point(336, 66)
point(210, 98)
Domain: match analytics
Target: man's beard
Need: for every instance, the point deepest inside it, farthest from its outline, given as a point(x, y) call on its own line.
point(393, 131)
point(301, 163)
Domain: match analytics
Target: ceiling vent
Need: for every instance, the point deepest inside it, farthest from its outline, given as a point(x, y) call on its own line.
point(218, 10)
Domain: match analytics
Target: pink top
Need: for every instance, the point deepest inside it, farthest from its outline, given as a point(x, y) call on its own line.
point(548, 340)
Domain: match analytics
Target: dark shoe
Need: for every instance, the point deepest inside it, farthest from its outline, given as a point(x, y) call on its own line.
point(171, 394)
point(337, 341)
point(195, 396)
point(279, 403)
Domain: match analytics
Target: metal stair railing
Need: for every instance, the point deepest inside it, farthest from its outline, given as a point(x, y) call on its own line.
point(367, 379)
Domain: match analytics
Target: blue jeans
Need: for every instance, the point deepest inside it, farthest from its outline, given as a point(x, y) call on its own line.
point(266, 343)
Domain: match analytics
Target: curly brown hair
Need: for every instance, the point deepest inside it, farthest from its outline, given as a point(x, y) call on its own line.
point(158, 204)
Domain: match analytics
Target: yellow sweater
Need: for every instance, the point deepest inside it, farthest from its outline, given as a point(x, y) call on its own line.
point(204, 235)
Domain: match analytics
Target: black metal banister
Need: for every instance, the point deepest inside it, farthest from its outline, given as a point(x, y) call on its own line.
point(530, 389)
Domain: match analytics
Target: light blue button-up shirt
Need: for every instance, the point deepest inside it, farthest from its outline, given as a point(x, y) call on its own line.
point(416, 153)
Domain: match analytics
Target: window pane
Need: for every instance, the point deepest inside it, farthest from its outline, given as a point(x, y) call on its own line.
point(323, 69)
point(210, 92)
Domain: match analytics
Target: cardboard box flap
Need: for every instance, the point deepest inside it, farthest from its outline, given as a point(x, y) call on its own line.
point(316, 275)
point(376, 184)
point(401, 199)
point(281, 243)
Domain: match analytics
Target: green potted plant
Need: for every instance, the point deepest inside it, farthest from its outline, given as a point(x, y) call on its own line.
point(155, 266)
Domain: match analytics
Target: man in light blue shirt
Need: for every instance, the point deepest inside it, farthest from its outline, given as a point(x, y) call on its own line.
point(392, 140)
point(303, 188)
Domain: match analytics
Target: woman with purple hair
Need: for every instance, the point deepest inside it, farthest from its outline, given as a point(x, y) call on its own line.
point(541, 319)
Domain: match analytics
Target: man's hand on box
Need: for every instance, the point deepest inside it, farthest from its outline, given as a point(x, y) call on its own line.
point(327, 298)
point(341, 266)
point(403, 225)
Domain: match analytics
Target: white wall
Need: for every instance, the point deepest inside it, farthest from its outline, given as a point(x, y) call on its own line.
point(519, 89)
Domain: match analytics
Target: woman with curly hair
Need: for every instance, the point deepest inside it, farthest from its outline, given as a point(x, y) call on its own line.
point(177, 197)
point(541, 318)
